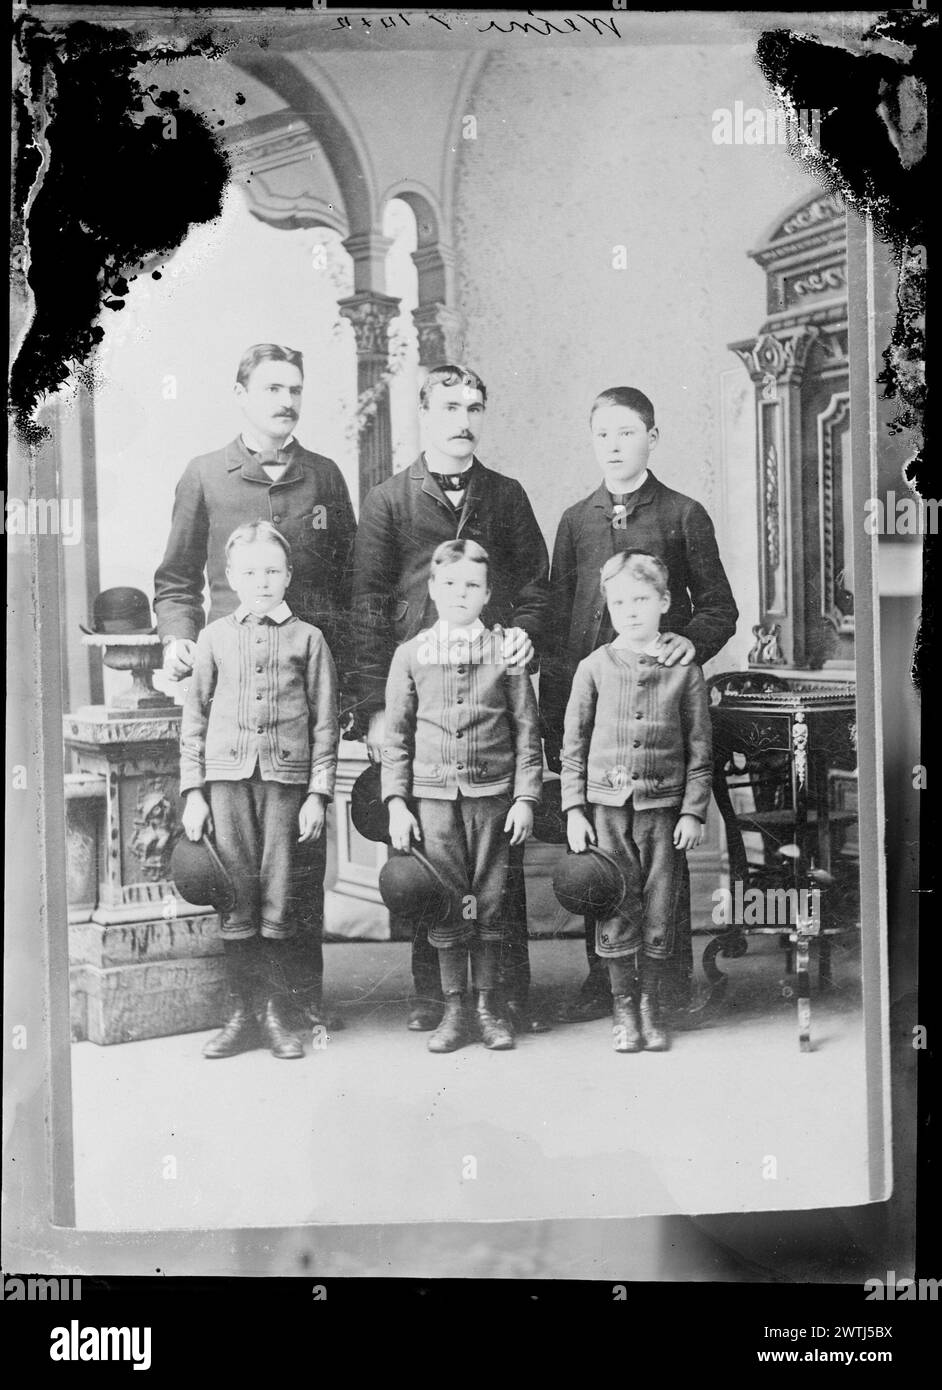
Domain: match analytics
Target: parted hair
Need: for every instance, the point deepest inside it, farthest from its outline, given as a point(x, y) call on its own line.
point(628, 397)
point(449, 375)
point(266, 352)
point(450, 552)
point(251, 531)
point(639, 565)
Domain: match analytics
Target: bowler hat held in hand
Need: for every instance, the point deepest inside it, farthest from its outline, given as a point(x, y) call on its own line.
point(410, 886)
point(200, 875)
point(120, 612)
point(590, 884)
point(368, 811)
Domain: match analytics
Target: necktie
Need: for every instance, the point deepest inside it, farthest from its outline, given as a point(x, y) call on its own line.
point(451, 482)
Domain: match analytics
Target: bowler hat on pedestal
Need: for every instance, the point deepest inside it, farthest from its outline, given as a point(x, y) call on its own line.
point(412, 887)
point(368, 811)
point(590, 884)
point(200, 875)
point(121, 612)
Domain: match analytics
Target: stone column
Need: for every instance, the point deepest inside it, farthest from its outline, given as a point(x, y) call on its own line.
point(440, 328)
point(371, 314)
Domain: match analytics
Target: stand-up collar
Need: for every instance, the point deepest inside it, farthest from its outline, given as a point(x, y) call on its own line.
point(278, 615)
point(641, 498)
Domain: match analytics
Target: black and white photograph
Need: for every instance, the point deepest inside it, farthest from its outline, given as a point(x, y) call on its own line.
point(465, 569)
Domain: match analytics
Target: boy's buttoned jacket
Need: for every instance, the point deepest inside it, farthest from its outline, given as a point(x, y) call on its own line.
point(468, 725)
point(634, 728)
point(309, 505)
point(265, 690)
point(665, 523)
point(402, 521)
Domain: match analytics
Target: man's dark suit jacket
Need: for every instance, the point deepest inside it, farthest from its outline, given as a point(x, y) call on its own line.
point(402, 520)
point(660, 521)
point(309, 505)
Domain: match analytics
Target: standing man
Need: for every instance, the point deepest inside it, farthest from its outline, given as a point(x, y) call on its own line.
point(264, 474)
point(446, 495)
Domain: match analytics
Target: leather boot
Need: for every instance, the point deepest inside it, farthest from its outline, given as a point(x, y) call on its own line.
point(626, 1029)
point(240, 1032)
point(495, 1033)
point(277, 1033)
point(654, 1034)
point(451, 1033)
point(424, 1014)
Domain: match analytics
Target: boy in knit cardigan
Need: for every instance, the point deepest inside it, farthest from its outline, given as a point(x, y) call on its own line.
point(258, 758)
point(462, 738)
point(637, 750)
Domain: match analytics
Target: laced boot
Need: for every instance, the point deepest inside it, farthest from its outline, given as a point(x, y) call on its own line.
point(495, 1033)
point(240, 1032)
point(626, 1028)
point(276, 1031)
point(451, 1032)
point(652, 1029)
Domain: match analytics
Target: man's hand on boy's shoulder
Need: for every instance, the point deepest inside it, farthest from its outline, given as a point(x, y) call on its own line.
point(179, 656)
point(675, 649)
point(517, 648)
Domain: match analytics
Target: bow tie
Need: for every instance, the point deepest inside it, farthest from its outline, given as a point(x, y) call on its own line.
point(451, 482)
point(272, 457)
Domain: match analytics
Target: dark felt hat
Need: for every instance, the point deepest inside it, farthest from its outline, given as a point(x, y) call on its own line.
point(412, 887)
point(121, 612)
point(200, 875)
point(368, 811)
point(549, 818)
point(590, 884)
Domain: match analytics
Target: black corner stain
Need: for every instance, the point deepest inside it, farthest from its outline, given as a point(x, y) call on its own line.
point(874, 109)
point(107, 175)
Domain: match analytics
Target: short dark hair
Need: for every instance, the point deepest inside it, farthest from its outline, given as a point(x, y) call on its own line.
point(266, 352)
point(449, 375)
point(450, 552)
point(251, 531)
point(628, 397)
point(640, 565)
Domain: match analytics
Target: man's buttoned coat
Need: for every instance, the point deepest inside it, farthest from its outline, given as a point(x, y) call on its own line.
point(309, 505)
point(402, 521)
point(660, 521)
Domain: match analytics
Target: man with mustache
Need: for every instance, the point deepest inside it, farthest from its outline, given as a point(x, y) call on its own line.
point(264, 474)
point(446, 495)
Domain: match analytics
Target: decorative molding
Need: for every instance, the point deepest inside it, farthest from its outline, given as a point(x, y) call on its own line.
point(370, 313)
point(837, 603)
point(823, 209)
point(800, 746)
point(767, 650)
point(820, 281)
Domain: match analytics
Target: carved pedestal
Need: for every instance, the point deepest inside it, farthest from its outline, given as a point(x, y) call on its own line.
point(144, 962)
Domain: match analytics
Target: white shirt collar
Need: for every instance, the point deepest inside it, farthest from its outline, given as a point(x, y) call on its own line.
point(459, 634)
point(256, 447)
point(630, 487)
point(279, 615)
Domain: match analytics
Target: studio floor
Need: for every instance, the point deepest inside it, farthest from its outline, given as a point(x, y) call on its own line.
point(372, 1128)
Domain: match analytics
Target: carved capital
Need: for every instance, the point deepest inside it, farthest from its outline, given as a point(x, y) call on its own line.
point(778, 357)
point(370, 314)
point(441, 334)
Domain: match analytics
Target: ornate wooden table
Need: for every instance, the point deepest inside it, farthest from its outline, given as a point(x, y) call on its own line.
point(784, 762)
